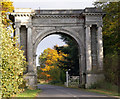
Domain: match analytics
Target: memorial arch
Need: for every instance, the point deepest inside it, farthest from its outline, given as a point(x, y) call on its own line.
point(84, 26)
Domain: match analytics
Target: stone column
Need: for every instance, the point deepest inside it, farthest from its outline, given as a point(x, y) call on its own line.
point(34, 63)
point(17, 32)
point(29, 49)
point(81, 70)
point(88, 49)
point(100, 48)
point(31, 75)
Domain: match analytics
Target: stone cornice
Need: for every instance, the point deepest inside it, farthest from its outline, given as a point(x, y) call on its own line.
point(94, 14)
point(57, 16)
point(22, 14)
point(57, 13)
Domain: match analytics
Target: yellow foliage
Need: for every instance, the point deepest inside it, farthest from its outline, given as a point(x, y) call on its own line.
point(6, 7)
point(52, 59)
point(12, 60)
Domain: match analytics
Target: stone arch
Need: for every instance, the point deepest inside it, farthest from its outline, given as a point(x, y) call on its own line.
point(67, 22)
point(71, 33)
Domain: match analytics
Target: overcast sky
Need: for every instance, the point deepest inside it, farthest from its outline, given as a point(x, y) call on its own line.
point(51, 40)
point(48, 42)
point(53, 4)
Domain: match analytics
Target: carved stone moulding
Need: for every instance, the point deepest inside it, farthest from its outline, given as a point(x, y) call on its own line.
point(53, 25)
point(56, 16)
point(94, 14)
point(22, 14)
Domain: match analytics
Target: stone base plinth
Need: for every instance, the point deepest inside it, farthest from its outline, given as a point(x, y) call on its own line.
point(31, 79)
point(93, 78)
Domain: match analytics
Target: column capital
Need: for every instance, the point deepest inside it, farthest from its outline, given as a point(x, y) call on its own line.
point(99, 25)
point(29, 25)
point(17, 25)
point(88, 25)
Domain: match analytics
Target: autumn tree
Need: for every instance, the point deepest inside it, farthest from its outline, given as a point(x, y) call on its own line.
point(6, 7)
point(49, 61)
point(12, 61)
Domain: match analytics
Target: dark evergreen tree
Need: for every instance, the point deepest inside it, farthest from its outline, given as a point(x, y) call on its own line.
point(72, 60)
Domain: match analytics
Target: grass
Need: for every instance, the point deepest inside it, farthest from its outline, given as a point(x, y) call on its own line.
point(57, 84)
point(102, 87)
point(29, 93)
point(102, 91)
point(105, 88)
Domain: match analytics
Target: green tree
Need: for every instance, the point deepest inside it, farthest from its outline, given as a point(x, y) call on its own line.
point(72, 60)
point(12, 61)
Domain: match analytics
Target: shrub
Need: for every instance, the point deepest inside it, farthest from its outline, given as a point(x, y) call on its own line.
point(111, 70)
point(12, 64)
point(104, 85)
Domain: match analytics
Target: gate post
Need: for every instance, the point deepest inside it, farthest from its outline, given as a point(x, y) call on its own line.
point(67, 78)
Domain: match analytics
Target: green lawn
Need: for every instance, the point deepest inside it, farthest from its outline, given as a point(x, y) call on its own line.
point(29, 93)
point(102, 91)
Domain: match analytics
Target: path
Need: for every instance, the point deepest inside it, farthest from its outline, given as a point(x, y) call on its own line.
point(58, 92)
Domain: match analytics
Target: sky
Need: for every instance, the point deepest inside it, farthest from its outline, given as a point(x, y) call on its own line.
point(53, 4)
point(51, 40)
point(48, 42)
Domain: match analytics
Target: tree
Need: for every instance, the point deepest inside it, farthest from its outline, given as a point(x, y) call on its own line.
point(12, 61)
point(6, 7)
point(72, 59)
point(49, 61)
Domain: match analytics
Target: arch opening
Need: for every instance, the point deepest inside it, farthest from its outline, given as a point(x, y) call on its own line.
point(64, 37)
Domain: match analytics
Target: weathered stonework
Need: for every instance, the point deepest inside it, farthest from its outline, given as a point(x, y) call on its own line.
point(83, 25)
point(23, 37)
